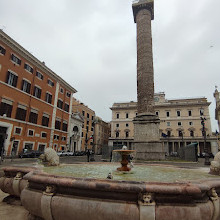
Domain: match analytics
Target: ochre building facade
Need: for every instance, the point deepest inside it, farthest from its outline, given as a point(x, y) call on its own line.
point(88, 116)
point(180, 123)
point(35, 103)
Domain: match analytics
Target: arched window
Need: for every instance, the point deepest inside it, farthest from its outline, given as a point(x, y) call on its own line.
point(127, 134)
point(192, 133)
point(168, 133)
point(180, 133)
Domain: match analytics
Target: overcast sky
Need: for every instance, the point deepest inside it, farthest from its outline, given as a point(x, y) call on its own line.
point(92, 45)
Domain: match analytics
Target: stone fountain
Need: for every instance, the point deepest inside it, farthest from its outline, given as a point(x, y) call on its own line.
point(125, 153)
point(77, 191)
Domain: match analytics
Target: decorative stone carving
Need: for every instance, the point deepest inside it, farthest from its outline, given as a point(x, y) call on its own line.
point(18, 176)
point(50, 190)
point(146, 199)
point(50, 157)
point(215, 165)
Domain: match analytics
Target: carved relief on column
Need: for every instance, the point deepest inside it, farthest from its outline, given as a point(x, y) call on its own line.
point(145, 75)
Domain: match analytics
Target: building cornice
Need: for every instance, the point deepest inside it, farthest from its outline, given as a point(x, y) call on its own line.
point(20, 50)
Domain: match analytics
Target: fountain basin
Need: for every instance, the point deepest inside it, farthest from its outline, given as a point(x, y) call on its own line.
point(50, 196)
point(12, 182)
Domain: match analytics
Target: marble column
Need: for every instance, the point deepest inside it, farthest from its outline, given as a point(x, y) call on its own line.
point(146, 123)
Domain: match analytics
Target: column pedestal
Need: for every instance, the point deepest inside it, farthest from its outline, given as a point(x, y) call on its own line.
point(147, 138)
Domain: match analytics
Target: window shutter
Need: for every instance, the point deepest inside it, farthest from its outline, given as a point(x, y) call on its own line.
point(50, 99)
point(12, 57)
point(34, 91)
point(25, 66)
point(19, 61)
point(42, 77)
point(7, 78)
point(28, 88)
point(15, 81)
point(22, 85)
point(39, 93)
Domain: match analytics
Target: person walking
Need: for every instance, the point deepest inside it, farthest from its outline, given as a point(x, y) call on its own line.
point(88, 155)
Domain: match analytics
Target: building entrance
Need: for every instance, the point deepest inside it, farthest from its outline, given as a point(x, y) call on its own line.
point(3, 131)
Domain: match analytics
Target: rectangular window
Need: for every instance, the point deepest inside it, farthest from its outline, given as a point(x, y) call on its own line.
point(26, 86)
point(30, 132)
point(11, 79)
point(87, 115)
point(168, 114)
point(117, 115)
point(82, 134)
point(66, 107)
point(33, 117)
point(178, 113)
point(61, 90)
point(50, 82)
point(179, 123)
point(28, 68)
point(63, 138)
point(190, 123)
point(83, 113)
point(39, 75)
point(48, 98)
point(60, 104)
point(5, 109)
point(190, 113)
point(127, 115)
point(37, 92)
point(68, 94)
point(56, 137)
point(117, 125)
point(17, 130)
point(28, 146)
point(57, 124)
point(43, 134)
point(41, 147)
point(157, 113)
point(2, 50)
point(168, 123)
point(15, 59)
point(45, 120)
point(65, 126)
point(21, 113)
point(127, 125)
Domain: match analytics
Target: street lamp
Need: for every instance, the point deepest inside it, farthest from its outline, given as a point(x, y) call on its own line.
point(207, 162)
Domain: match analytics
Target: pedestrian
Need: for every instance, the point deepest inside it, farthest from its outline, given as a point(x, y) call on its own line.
point(111, 157)
point(88, 155)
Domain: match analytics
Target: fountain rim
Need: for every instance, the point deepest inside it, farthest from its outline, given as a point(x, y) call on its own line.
point(189, 188)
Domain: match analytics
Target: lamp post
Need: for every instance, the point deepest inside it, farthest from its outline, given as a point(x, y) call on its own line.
point(207, 162)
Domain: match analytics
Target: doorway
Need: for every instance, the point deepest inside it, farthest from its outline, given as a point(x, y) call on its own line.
point(3, 131)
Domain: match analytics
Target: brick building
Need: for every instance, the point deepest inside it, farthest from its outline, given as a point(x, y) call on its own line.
point(88, 116)
point(35, 103)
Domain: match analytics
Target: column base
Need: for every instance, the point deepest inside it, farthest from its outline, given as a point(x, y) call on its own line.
point(147, 138)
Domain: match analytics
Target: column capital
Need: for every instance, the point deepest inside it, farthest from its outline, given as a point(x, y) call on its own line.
point(143, 4)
